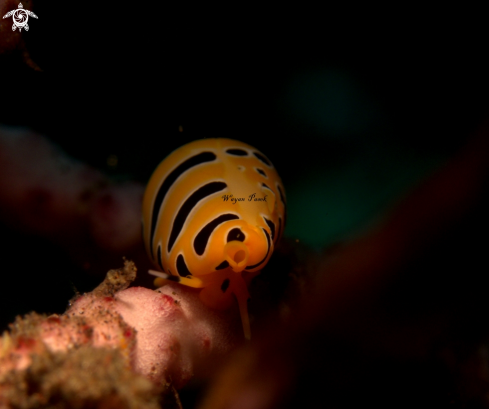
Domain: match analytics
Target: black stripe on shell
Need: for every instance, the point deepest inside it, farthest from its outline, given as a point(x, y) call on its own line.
point(223, 265)
point(200, 194)
point(262, 158)
point(182, 268)
point(271, 225)
point(261, 172)
point(168, 182)
point(236, 152)
point(202, 238)
point(158, 255)
point(282, 197)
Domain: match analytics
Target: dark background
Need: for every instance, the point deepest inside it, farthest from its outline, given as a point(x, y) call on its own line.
point(353, 106)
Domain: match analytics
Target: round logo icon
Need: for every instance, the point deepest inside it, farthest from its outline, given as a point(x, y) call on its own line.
point(20, 17)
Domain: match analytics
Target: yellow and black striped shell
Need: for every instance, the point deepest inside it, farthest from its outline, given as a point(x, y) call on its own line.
point(213, 211)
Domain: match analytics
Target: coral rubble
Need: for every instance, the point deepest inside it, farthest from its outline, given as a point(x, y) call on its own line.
point(114, 346)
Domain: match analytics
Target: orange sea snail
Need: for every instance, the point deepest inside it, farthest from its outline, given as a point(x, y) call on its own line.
point(213, 211)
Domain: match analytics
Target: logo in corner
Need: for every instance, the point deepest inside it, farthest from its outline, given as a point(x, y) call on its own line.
point(20, 17)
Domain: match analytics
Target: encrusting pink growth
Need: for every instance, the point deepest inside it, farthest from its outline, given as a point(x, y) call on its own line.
point(166, 335)
point(45, 192)
point(175, 331)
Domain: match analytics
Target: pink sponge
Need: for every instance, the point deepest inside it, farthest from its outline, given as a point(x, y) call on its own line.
point(166, 336)
point(175, 331)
